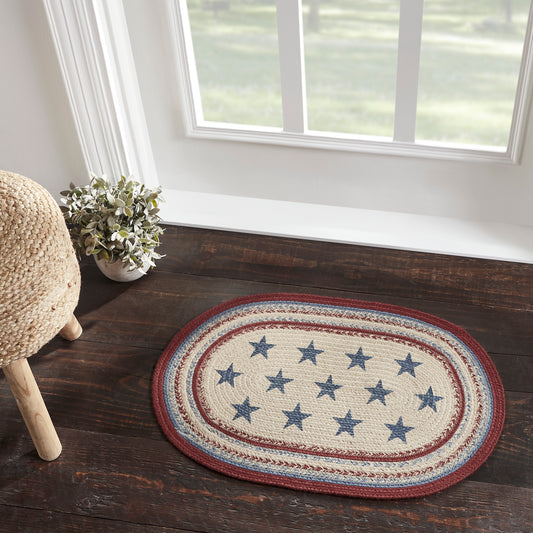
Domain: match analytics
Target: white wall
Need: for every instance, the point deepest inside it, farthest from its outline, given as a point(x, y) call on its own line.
point(501, 193)
point(37, 134)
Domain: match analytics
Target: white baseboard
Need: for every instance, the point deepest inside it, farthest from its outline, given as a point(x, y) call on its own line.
point(348, 225)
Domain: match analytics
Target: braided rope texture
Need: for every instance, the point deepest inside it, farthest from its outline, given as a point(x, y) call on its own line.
point(330, 395)
point(39, 272)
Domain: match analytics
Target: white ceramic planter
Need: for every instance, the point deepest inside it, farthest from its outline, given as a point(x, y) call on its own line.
point(119, 271)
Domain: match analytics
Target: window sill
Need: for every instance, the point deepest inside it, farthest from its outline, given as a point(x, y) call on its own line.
point(403, 231)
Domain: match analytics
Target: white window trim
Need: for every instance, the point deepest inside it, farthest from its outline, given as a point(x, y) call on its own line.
point(197, 127)
point(94, 52)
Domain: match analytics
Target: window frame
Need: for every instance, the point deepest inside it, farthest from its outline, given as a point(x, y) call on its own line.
point(294, 132)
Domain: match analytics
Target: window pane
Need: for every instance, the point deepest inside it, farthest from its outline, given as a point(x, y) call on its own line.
point(350, 61)
point(236, 50)
point(470, 60)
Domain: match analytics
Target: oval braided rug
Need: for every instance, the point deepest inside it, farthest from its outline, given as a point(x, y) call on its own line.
point(330, 395)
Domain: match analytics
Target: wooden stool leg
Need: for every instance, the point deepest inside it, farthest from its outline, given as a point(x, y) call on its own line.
point(72, 330)
point(28, 396)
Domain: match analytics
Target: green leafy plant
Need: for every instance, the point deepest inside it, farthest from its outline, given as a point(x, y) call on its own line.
point(115, 222)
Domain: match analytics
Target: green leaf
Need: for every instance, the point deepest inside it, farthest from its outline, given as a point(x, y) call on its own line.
point(114, 220)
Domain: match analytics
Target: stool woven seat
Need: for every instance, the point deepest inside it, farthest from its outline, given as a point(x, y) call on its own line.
point(39, 280)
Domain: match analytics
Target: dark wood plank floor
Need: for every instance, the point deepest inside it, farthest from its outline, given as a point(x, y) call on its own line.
point(118, 472)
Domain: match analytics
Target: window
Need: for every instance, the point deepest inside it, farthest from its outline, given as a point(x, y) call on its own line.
point(469, 69)
point(351, 50)
point(442, 77)
point(237, 61)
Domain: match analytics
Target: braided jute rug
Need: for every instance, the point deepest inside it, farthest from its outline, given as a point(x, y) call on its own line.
point(330, 395)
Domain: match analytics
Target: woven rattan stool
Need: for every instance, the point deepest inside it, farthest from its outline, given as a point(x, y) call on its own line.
point(39, 290)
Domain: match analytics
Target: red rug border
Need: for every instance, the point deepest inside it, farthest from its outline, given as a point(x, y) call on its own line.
point(194, 453)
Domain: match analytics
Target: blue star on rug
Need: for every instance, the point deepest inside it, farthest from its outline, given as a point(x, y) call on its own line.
point(295, 417)
point(378, 393)
point(278, 382)
point(328, 388)
point(346, 423)
point(309, 353)
point(358, 359)
point(244, 410)
point(407, 365)
point(228, 375)
point(261, 347)
point(398, 430)
point(429, 400)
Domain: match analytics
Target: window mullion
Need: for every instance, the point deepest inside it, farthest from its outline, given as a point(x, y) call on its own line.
point(409, 41)
point(292, 69)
